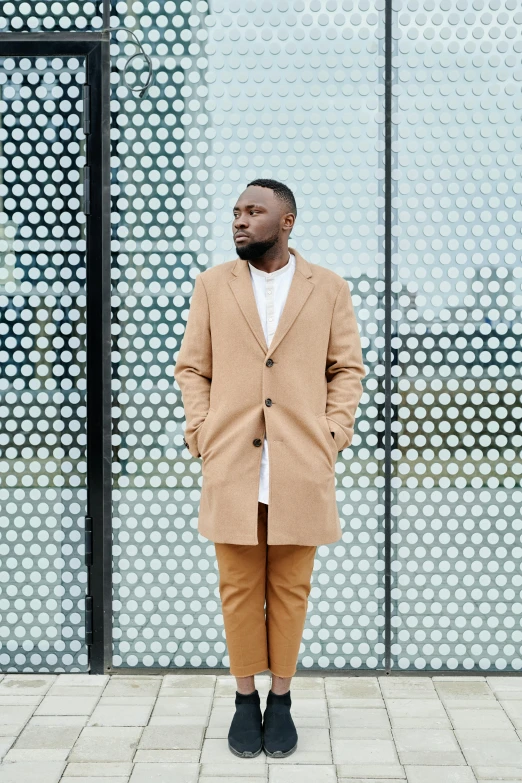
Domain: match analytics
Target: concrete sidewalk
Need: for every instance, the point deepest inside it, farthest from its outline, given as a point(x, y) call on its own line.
point(172, 729)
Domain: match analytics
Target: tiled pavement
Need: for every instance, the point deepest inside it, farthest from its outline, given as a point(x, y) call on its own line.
point(151, 729)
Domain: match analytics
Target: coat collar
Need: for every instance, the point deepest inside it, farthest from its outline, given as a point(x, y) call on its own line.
point(300, 289)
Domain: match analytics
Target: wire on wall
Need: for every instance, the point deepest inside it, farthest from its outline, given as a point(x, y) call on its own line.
point(141, 53)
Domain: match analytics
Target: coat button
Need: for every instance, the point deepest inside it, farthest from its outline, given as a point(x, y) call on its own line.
point(257, 442)
point(268, 402)
point(269, 362)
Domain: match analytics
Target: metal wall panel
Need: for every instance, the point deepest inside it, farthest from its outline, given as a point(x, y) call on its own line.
point(242, 91)
point(457, 337)
point(43, 488)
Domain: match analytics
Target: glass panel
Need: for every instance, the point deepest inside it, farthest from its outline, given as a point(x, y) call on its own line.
point(457, 496)
point(299, 102)
point(30, 16)
point(42, 366)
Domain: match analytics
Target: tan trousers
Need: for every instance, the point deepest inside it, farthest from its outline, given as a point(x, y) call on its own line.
point(250, 575)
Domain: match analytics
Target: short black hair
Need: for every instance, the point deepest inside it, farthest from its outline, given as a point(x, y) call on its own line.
point(282, 192)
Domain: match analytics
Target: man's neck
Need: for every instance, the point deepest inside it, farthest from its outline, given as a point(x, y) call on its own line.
point(272, 265)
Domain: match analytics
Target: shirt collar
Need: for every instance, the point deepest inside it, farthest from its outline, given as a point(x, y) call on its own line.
point(270, 275)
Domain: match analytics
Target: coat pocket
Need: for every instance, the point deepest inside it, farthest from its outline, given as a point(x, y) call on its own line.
point(323, 421)
point(202, 431)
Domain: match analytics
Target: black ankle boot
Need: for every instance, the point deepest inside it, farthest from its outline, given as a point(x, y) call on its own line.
point(279, 732)
point(245, 737)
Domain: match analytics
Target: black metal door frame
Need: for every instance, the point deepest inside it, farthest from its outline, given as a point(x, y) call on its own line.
point(95, 48)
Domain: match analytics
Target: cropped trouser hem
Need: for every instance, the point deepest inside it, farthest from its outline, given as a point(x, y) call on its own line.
point(264, 593)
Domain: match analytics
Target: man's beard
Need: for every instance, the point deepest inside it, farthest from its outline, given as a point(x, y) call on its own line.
point(255, 250)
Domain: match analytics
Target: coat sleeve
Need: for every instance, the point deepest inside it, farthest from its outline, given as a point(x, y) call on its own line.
point(344, 369)
point(193, 369)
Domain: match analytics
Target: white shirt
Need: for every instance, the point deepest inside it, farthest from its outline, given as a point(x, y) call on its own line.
point(270, 291)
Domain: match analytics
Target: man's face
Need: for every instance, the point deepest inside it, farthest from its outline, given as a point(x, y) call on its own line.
point(258, 222)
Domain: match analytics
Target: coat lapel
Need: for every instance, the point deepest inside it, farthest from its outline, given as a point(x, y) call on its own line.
point(300, 289)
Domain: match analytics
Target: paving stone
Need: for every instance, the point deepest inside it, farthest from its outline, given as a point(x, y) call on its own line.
point(189, 681)
point(193, 693)
point(77, 691)
point(364, 751)
point(31, 772)
point(47, 736)
point(351, 732)
point(167, 705)
point(377, 718)
point(458, 677)
point(352, 688)
point(471, 736)
point(464, 690)
point(130, 701)
point(313, 748)
point(304, 758)
point(18, 700)
point(502, 696)
point(423, 774)
point(217, 752)
point(491, 751)
point(172, 738)
point(120, 716)
point(137, 686)
point(99, 780)
point(15, 715)
point(83, 680)
point(370, 780)
point(67, 705)
point(235, 779)
point(165, 773)
point(166, 756)
point(26, 684)
point(368, 772)
point(511, 774)
point(417, 713)
point(295, 773)
point(178, 720)
point(235, 770)
point(498, 682)
point(480, 719)
point(513, 709)
point(197, 685)
point(430, 747)
point(58, 720)
point(406, 688)
point(106, 744)
point(99, 770)
point(36, 754)
point(5, 744)
point(11, 729)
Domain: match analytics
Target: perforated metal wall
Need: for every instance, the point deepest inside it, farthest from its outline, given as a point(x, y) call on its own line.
point(30, 16)
point(42, 366)
point(293, 91)
point(246, 91)
point(458, 336)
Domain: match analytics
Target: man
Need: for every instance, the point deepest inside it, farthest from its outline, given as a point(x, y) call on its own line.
point(270, 371)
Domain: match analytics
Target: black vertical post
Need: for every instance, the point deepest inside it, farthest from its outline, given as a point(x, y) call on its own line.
point(99, 355)
point(387, 330)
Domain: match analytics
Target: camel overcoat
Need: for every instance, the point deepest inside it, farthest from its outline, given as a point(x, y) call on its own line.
point(298, 391)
